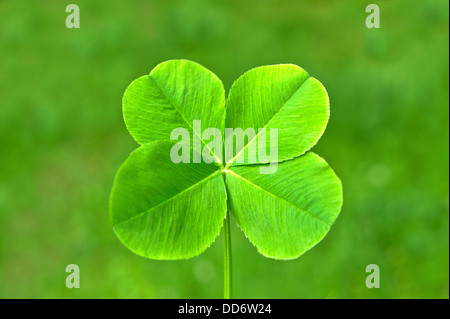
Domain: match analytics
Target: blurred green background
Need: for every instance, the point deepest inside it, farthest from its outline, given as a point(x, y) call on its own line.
point(62, 139)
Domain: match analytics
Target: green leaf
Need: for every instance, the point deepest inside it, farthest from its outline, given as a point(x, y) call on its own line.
point(176, 93)
point(286, 213)
point(163, 210)
point(281, 96)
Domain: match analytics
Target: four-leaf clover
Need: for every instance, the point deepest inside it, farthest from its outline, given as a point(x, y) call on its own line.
point(166, 210)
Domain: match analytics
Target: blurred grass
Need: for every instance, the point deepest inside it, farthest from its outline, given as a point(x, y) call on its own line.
point(62, 139)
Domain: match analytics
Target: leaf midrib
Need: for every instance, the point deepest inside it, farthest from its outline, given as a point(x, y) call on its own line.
point(271, 118)
point(169, 199)
point(219, 161)
point(280, 198)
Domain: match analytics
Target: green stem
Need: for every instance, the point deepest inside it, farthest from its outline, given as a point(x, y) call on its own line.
point(226, 258)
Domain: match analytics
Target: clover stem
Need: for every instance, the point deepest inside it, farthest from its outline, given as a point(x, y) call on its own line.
point(226, 257)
